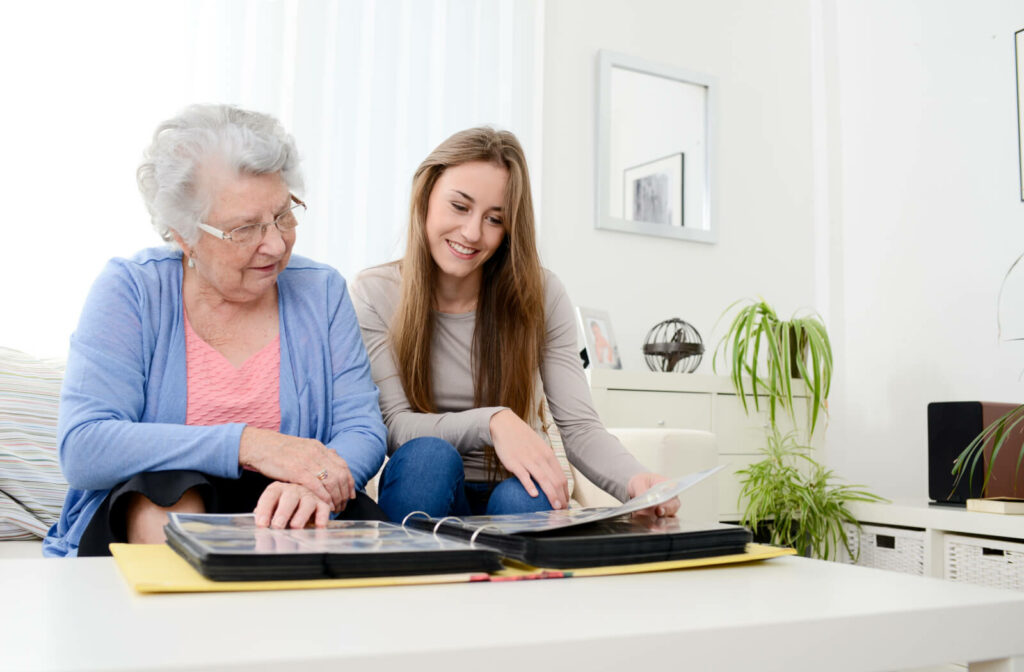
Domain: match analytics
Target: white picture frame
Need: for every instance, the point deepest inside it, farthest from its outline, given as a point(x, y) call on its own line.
point(647, 110)
point(599, 338)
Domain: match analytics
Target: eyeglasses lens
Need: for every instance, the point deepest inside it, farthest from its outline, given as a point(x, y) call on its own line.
point(253, 233)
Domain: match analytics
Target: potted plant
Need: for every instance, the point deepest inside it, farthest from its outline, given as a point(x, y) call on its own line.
point(794, 348)
point(788, 497)
point(792, 500)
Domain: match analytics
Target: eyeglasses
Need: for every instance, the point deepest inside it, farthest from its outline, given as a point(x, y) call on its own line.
point(250, 234)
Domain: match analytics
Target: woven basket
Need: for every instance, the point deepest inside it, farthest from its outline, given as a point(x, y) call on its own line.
point(892, 548)
point(983, 561)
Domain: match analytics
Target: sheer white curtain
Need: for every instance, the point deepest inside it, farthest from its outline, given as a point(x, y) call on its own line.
point(367, 87)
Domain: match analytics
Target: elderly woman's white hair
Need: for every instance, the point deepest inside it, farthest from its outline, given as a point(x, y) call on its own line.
point(249, 142)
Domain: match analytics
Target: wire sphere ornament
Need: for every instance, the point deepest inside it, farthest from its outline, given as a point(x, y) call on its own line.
point(673, 345)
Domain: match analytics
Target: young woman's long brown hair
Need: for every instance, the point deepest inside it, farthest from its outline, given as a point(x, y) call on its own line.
point(509, 333)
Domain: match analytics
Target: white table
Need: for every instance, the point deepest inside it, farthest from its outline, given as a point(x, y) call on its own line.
point(782, 614)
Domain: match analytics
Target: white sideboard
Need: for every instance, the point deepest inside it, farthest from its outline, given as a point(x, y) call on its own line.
point(694, 401)
point(937, 523)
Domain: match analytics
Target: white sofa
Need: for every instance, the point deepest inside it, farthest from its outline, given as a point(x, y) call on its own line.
point(31, 486)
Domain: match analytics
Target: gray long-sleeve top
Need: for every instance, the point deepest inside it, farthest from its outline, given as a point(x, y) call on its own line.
point(590, 448)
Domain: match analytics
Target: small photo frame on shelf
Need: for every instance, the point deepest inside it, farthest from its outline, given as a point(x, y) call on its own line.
point(653, 191)
point(602, 350)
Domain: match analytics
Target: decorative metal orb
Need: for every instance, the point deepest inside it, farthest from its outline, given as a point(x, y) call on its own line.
point(673, 345)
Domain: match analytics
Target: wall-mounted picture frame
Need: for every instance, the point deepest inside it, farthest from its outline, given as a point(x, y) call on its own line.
point(602, 349)
point(653, 191)
point(647, 110)
point(1019, 52)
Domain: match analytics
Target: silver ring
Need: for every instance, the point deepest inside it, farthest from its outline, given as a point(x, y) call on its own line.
point(442, 520)
point(322, 475)
point(410, 515)
point(472, 540)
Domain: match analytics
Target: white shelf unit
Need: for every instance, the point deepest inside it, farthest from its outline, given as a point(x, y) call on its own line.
point(938, 522)
point(694, 401)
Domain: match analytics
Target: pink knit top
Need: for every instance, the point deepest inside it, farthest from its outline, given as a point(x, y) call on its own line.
point(218, 393)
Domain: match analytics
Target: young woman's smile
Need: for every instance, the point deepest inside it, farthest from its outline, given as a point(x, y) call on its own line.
point(465, 224)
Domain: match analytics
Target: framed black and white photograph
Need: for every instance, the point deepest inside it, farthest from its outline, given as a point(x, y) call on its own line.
point(653, 191)
point(1019, 50)
point(602, 350)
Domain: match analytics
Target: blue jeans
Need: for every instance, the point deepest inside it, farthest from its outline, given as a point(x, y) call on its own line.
point(426, 474)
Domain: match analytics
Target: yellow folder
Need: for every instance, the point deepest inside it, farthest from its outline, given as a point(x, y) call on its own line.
point(156, 568)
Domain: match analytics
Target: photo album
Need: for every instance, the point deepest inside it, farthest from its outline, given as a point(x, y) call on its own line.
point(230, 547)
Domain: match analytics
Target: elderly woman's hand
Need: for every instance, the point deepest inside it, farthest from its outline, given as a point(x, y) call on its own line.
point(290, 505)
point(305, 462)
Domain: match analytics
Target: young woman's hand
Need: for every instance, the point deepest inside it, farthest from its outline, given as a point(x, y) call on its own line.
point(306, 462)
point(641, 483)
point(527, 456)
point(290, 505)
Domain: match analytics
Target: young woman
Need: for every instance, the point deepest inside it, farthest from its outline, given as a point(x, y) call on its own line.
point(469, 338)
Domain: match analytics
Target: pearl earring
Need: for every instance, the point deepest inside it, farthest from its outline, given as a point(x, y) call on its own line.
point(191, 262)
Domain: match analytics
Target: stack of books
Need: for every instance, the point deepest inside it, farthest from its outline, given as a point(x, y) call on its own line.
point(1011, 505)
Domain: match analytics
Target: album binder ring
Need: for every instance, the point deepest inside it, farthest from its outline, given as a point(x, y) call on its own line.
point(442, 520)
point(472, 540)
point(413, 513)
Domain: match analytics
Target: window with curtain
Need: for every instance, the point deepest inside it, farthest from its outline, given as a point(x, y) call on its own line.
point(367, 87)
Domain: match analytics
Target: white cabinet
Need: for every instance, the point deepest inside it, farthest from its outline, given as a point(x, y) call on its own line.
point(958, 544)
point(693, 401)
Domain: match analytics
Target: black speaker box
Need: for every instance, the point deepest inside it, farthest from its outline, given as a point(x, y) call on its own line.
point(952, 425)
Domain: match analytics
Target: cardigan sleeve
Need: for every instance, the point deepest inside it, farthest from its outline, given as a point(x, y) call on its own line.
point(102, 438)
point(358, 434)
point(599, 455)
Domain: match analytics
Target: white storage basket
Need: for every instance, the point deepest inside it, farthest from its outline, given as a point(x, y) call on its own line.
point(984, 561)
point(893, 548)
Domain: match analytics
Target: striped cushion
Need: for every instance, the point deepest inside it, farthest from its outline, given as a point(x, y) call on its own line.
point(555, 441)
point(31, 485)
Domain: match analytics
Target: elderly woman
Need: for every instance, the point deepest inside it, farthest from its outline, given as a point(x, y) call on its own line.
point(220, 374)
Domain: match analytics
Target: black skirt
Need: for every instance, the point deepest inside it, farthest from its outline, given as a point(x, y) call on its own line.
point(164, 488)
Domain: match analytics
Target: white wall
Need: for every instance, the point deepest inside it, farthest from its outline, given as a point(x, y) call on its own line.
point(760, 54)
point(368, 88)
point(930, 219)
point(867, 166)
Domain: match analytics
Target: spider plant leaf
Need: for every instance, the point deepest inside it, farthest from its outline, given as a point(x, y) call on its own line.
point(820, 380)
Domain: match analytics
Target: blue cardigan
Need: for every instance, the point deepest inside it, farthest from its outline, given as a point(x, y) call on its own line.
point(123, 403)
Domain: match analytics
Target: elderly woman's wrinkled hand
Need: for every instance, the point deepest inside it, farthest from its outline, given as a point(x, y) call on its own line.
point(290, 505)
point(305, 462)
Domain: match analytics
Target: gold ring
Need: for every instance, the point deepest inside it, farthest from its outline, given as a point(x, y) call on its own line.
point(322, 475)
